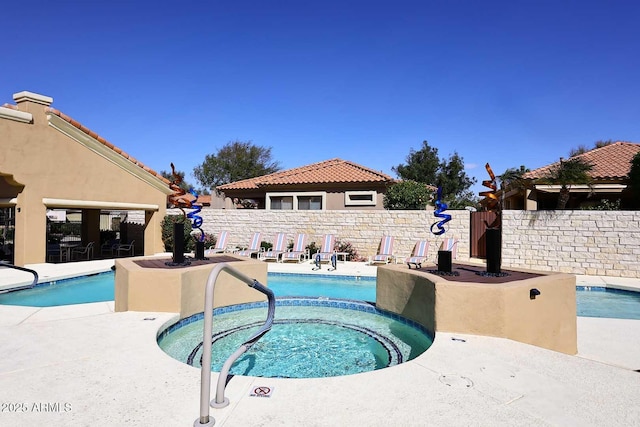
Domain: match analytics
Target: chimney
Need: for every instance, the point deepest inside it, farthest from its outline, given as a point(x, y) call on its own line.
point(33, 103)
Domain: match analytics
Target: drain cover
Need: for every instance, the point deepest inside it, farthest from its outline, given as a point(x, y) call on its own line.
point(458, 381)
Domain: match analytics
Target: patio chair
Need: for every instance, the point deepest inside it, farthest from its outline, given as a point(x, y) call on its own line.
point(385, 251)
point(419, 254)
point(221, 244)
point(275, 253)
point(254, 246)
point(80, 252)
point(127, 248)
point(450, 244)
point(327, 249)
point(109, 247)
point(299, 251)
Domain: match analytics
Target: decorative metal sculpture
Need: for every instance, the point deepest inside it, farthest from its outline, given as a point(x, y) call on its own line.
point(179, 200)
point(440, 208)
point(492, 198)
point(493, 232)
point(194, 217)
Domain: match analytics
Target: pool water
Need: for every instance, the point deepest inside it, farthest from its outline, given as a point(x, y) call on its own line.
point(79, 290)
point(308, 285)
point(310, 338)
point(595, 301)
point(591, 301)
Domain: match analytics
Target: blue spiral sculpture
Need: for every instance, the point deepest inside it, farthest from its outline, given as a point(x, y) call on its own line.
point(440, 207)
point(193, 215)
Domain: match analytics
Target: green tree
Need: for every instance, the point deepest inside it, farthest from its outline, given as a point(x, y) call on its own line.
point(512, 178)
point(169, 175)
point(422, 165)
point(426, 167)
point(235, 161)
point(566, 173)
point(407, 195)
point(581, 149)
point(634, 179)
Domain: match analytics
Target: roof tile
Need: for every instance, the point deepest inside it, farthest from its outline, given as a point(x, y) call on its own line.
point(611, 162)
point(327, 172)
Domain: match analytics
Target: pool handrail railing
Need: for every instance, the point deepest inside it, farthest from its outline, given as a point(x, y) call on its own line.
point(205, 373)
point(28, 270)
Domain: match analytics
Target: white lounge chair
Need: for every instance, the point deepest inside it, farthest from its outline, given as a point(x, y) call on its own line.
point(299, 251)
point(385, 251)
point(450, 244)
point(254, 246)
point(277, 250)
point(221, 244)
point(327, 249)
point(419, 254)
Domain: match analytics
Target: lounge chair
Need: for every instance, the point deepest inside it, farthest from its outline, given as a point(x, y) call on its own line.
point(299, 251)
point(80, 252)
point(419, 254)
point(254, 246)
point(221, 244)
point(126, 248)
point(450, 244)
point(327, 249)
point(385, 251)
point(275, 253)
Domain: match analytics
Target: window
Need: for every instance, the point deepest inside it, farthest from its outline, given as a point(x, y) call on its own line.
point(282, 203)
point(296, 201)
point(309, 203)
point(360, 198)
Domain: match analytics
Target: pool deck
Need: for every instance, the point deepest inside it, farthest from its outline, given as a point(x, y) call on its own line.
point(85, 365)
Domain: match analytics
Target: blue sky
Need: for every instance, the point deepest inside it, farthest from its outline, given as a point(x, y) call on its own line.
point(506, 82)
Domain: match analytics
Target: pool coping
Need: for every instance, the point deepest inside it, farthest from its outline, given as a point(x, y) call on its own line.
point(136, 381)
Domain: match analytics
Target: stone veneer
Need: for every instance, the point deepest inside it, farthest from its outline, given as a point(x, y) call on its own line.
point(577, 242)
point(603, 243)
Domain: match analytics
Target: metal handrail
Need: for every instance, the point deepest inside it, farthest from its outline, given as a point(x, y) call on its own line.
point(205, 373)
point(28, 270)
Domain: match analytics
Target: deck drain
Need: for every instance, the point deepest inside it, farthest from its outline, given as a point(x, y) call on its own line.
point(456, 381)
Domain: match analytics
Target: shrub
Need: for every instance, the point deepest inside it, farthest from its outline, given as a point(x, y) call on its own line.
point(407, 195)
point(167, 233)
point(344, 246)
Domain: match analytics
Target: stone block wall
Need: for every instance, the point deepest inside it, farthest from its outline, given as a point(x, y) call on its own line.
point(603, 243)
point(364, 229)
point(578, 242)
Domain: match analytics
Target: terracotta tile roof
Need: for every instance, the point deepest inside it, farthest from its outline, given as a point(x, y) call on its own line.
point(103, 141)
point(611, 162)
point(327, 172)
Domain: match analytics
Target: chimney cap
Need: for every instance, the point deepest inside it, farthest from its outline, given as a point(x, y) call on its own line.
point(25, 96)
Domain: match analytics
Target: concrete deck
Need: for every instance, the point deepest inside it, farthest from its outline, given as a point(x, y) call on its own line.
point(86, 365)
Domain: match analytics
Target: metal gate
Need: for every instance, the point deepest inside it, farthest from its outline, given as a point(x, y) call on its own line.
point(480, 221)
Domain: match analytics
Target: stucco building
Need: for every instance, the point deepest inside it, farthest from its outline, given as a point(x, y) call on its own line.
point(51, 165)
point(333, 184)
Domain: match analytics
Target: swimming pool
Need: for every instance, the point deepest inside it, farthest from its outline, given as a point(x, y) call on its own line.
point(592, 301)
point(80, 290)
point(310, 338)
point(595, 301)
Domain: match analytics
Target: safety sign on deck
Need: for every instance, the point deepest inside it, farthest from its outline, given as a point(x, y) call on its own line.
point(261, 391)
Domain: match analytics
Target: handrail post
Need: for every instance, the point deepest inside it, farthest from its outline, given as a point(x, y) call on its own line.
point(205, 371)
point(28, 270)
